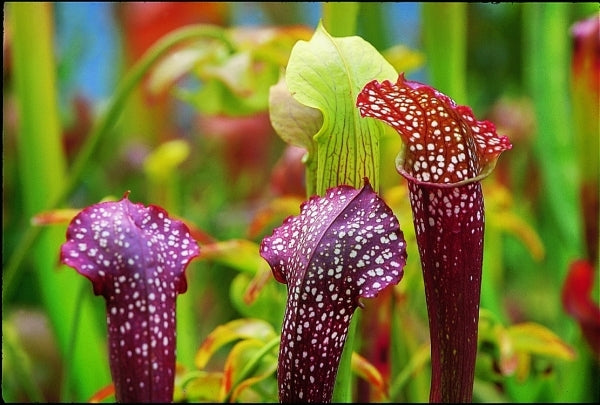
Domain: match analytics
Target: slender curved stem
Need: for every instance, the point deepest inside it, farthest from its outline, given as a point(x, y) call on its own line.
point(65, 388)
point(105, 123)
point(22, 370)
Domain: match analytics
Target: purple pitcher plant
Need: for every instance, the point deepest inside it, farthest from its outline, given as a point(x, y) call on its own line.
point(135, 257)
point(341, 247)
point(446, 153)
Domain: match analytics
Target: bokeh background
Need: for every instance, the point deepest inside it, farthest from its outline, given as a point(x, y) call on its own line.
point(194, 137)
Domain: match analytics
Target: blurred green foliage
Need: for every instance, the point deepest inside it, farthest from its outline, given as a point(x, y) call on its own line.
point(198, 142)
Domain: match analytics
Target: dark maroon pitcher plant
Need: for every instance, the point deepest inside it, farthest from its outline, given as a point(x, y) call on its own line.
point(343, 246)
point(445, 154)
point(135, 257)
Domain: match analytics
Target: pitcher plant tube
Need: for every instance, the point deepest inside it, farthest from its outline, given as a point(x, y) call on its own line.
point(135, 257)
point(445, 154)
point(341, 247)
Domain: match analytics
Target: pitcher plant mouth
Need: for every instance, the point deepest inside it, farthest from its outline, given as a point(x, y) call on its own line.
point(445, 154)
point(400, 159)
point(135, 257)
point(342, 247)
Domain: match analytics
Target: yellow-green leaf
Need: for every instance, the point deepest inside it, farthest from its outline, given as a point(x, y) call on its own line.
point(327, 73)
point(403, 59)
point(202, 386)
point(234, 330)
point(161, 163)
point(242, 354)
point(367, 371)
point(533, 338)
point(239, 254)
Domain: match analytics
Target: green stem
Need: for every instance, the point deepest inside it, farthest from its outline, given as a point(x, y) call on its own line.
point(546, 57)
point(491, 277)
point(407, 383)
point(374, 24)
point(444, 36)
point(42, 168)
point(339, 19)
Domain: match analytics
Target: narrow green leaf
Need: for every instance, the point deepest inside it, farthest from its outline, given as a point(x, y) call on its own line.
point(16, 359)
point(175, 65)
point(339, 18)
point(43, 172)
point(250, 362)
point(546, 59)
point(445, 41)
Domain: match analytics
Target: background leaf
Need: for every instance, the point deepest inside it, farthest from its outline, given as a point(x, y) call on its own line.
point(234, 330)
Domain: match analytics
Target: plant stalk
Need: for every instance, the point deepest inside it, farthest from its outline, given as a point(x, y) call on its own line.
point(339, 19)
point(42, 171)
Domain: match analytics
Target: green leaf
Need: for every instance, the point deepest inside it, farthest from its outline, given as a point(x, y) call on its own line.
point(236, 86)
point(268, 305)
point(411, 370)
point(445, 43)
point(43, 174)
point(327, 73)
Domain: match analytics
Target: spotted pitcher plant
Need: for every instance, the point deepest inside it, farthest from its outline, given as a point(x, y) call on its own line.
point(446, 153)
point(312, 107)
point(135, 257)
point(342, 247)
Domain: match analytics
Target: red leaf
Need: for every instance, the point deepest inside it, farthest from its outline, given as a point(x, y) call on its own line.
point(577, 302)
